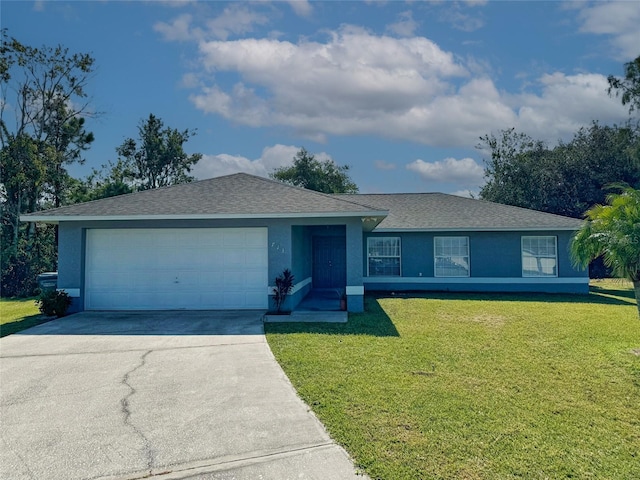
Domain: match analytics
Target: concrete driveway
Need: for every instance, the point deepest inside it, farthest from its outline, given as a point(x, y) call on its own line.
point(168, 395)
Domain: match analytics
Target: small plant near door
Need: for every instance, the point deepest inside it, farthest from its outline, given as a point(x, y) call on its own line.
point(342, 295)
point(284, 285)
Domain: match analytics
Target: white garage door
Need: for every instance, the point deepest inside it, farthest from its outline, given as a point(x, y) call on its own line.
point(164, 269)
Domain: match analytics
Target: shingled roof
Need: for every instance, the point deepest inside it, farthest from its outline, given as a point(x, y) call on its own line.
point(439, 211)
point(246, 196)
point(231, 196)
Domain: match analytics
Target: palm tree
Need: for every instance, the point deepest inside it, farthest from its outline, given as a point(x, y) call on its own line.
point(613, 232)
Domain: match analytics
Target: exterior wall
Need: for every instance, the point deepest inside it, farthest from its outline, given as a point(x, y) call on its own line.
point(355, 260)
point(495, 258)
point(71, 241)
point(495, 265)
point(301, 259)
point(289, 246)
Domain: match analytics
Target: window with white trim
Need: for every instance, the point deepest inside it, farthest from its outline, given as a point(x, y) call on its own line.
point(383, 256)
point(539, 257)
point(451, 256)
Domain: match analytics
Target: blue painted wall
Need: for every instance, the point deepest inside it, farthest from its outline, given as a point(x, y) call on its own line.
point(289, 245)
point(492, 256)
point(495, 257)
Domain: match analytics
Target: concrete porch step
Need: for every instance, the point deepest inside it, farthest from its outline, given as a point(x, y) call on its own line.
point(308, 317)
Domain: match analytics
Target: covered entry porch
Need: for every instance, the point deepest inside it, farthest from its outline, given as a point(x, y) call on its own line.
point(327, 263)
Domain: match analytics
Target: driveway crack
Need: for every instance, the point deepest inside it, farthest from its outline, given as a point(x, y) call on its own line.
point(125, 407)
point(20, 457)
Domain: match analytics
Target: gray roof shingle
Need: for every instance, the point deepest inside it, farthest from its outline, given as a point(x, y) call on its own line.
point(244, 195)
point(439, 211)
point(239, 194)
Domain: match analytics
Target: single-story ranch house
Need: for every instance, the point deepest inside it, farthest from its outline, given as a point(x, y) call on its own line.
point(220, 243)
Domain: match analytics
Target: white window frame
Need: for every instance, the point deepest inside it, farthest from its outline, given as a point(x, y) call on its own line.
point(555, 256)
point(436, 256)
point(399, 256)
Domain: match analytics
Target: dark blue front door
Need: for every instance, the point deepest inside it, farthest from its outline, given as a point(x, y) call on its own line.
point(329, 262)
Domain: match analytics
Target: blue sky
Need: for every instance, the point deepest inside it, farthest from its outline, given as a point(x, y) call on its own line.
point(400, 91)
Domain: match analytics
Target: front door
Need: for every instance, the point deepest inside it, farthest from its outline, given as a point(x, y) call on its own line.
point(329, 262)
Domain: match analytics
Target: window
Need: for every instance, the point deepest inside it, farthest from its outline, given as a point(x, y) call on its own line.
point(451, 256)
point(383, 255)
point(539, 257)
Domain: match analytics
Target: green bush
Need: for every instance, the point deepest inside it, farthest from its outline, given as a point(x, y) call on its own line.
point(54, 302)
point(284, 285)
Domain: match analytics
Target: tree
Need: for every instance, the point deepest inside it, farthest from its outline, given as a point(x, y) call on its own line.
point(22, 173)
point(43, 109)
point(49, 104)
point(613, 232)
point(321, 176)
point(510, 171)
point(159, 159)
point(109, 181)
point(566, 179)
point(628, 87)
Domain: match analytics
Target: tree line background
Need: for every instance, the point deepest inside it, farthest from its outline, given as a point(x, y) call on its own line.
point(44, 115)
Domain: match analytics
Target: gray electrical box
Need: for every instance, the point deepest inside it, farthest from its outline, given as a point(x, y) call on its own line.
point(48, 281)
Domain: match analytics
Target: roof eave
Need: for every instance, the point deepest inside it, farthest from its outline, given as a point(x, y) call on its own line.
point(55, 219)
point(477, 229)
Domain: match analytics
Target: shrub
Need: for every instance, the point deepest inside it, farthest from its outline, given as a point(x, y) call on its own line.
point(54, 302)
point(284, 284)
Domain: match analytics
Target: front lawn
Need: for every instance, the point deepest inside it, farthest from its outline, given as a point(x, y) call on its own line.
point(19, 314)
point(471, 386)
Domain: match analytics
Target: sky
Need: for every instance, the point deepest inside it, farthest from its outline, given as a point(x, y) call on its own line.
point(401, 91)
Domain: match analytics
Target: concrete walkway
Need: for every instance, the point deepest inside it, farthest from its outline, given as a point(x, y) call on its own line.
point(169, 395)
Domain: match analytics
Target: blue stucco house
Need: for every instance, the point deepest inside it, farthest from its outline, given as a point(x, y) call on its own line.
point(220, 243)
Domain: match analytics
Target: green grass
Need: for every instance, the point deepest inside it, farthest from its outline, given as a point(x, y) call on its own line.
point(19, 314)
point(465, 386)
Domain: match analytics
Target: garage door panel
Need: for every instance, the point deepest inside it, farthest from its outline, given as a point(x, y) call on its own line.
point(234, 280)
point(234, 237)
point(255, 299)
point(256, 258)
point(186, 239)
point(103, 280)
point(210, 280)
point(234, 259)
point(100, 301)
point(213, 239)
point(254, 239)
point(253, 278)
point(213, 261)
point(132, 269)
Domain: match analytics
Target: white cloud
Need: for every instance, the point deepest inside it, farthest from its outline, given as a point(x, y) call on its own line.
point(224, 164)
point(405, 26)
point(620, 20)
point(302, 7)
point(178, 30)
point(463, 172)
point(272, 157)
point(354, 83)
point(190, 80)
point(235, 19)
point(357, 83)
point(566, 103)
point(460, 20)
